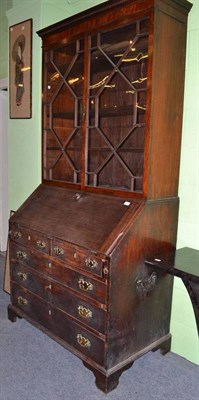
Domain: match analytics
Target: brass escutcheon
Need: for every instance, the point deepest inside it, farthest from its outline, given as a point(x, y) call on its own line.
point(17, 235)
point(58, 250)
point(84, 285)
point(84, 312)
point(77, 196)
point(84, 342)
point(41, 244)
point(22, 275)
point(91, 263)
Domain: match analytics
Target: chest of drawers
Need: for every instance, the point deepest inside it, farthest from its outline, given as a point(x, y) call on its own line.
point(96, 297)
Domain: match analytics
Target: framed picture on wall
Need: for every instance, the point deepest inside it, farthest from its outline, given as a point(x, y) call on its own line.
point(20, 69)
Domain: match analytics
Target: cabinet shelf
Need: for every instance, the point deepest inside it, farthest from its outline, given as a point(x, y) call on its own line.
point(127, 150)
point(116, 111)
point(125, 111)
point(99, 149)
point(62, 115)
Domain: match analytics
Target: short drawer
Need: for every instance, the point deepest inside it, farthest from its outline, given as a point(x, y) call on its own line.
point(79, 257)
point(77, 281)
point(27, 237)
point(60, 297)
point(27, 256)
point(56, 322)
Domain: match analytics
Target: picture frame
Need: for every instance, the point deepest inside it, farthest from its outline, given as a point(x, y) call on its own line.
point(20, 69)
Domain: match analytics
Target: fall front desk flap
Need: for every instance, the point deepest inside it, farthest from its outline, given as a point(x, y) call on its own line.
point(86, 219)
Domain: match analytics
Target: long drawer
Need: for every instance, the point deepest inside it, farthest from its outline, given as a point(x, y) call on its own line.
point(75, 280)
point(60, 297)
point(56, 322)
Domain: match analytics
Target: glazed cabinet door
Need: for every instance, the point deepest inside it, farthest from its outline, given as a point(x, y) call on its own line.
point(118, 60)
point(95, 96)
point(62, 112)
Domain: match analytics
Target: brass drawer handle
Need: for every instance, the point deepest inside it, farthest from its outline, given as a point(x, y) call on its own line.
point(41, 244)
point(22, 301)
point(21, 255)
point(58, 250)
point(84, 342)
point(84, 312)
point(84, 285)
point(22, 275)
point(91, 263)
point(17, 235)
point(145, 286)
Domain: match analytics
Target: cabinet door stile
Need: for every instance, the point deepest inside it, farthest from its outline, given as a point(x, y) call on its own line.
point(148, 103)
point(85, 111)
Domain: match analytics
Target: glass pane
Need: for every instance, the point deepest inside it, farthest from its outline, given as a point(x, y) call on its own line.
point(117, 107)
point(119, 42)
point(119, 180)
point(98, 151)
point(63, 58)
point(63, 111)
point(75, 77)
point(63, 171)
point(134, 64)
point(135, 140)
point(54, 81)
point(101, 70)
point(53, 152)
point(73, 149)
point(141, 107)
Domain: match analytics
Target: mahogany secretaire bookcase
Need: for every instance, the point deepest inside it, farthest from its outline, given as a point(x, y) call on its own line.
point(113, 82)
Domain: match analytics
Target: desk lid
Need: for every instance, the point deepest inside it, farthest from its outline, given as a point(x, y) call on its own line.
point(90, 220)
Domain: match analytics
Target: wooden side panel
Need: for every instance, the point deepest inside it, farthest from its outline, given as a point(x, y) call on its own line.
point(169, 47)
point(139, 317)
